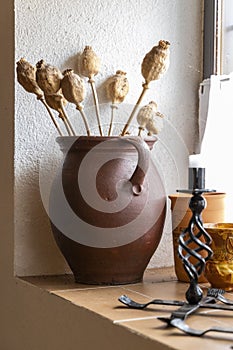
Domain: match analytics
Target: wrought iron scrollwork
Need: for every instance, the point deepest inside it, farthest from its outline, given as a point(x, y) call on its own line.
point(194, 246)
point(194, 250)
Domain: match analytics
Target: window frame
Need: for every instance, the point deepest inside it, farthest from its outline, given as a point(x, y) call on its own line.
point(212, 38)
point(217, 37)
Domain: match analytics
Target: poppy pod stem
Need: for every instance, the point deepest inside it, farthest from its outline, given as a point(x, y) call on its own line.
point(51, 115)
point(140, 129)
point(96, 102)
point(113, 107)
point(145, 88)
point(66, 121)
point(80, 109)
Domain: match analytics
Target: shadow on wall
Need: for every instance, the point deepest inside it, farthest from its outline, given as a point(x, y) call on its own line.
point(36, 252)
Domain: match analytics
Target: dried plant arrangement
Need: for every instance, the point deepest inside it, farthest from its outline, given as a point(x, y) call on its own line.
point(154, 64)
point(74, 90)
point(90, 65)
point(26, 76)
point(150, 119)
point(117, 89)
point(56, 89)
point(49, 79)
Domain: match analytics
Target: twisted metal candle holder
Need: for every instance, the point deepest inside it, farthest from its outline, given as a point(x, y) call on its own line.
point(194, 245)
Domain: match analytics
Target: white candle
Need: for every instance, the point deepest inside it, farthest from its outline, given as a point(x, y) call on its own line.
point(196, 161)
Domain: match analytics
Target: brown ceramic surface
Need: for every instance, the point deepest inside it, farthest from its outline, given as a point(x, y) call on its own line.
point(121, 263)
point(219, 269)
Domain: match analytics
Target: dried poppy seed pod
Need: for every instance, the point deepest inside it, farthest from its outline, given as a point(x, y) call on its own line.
point(118, 87)
point(155, 124)
point(26, 76)
point(89, 63)
point(73, 87)
point(89, 66)
point(48, 77)
point(145, 114)
point(156, 62)
point(55, 101)
point(74, 91)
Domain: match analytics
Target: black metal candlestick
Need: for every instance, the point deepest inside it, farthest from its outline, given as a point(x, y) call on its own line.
point(195, 233)
point(194, 244)
point(196, 178)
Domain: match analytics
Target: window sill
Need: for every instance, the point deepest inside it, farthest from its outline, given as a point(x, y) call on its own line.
point(157, 283)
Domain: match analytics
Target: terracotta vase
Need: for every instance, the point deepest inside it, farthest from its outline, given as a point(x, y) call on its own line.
point(107, 208)
point(181, 214)
point(219, 268)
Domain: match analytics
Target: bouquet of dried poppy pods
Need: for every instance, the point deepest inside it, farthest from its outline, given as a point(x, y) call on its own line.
point(55, 89)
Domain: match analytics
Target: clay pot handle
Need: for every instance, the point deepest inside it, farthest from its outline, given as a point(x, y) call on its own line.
point(139, 174)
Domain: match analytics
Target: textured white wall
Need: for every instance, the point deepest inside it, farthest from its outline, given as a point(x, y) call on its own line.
point(121, 32)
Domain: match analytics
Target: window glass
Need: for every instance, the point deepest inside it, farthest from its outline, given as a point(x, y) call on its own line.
point(227, 36)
